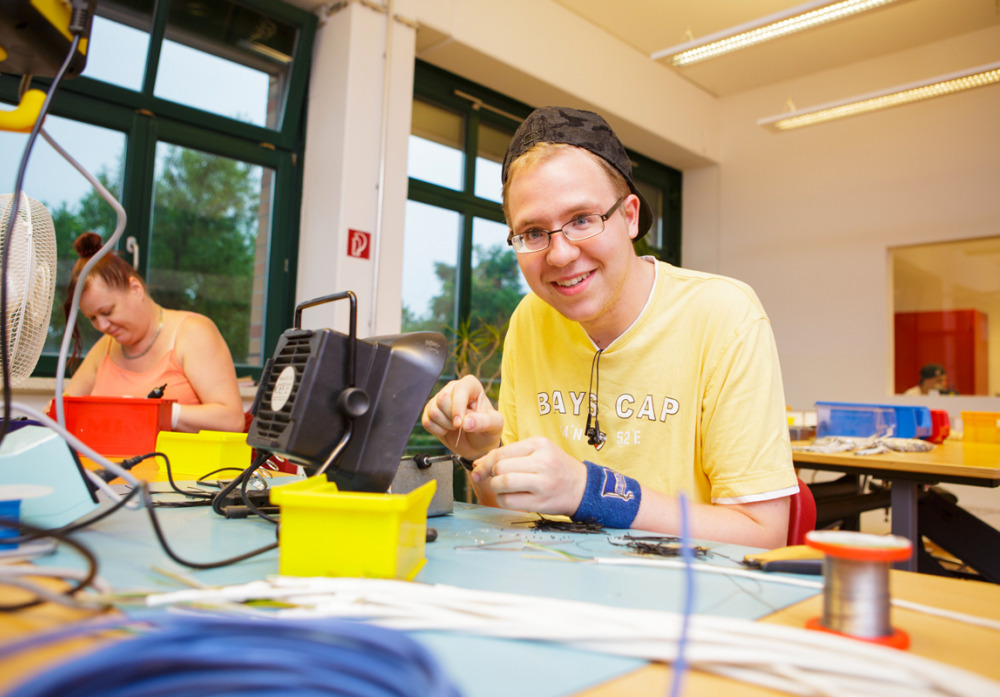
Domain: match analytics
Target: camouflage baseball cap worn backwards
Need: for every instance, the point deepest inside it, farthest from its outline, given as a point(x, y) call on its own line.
point(584, 129)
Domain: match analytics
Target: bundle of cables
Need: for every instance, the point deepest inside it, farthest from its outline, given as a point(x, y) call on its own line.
point(201, 656)
point(790, 659)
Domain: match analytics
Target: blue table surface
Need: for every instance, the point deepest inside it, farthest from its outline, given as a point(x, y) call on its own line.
point(465, 554)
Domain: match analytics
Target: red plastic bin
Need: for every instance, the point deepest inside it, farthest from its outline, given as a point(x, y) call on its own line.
point(940, 426)
point(117, 426)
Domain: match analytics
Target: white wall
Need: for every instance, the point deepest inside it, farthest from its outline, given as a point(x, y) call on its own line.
point(805, 217)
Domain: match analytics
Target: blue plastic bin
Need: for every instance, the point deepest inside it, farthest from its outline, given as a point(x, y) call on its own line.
point(913, 422)
point(866, 420)
point(854, 420)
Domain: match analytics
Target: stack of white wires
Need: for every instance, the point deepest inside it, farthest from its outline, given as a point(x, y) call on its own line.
point(793, 660)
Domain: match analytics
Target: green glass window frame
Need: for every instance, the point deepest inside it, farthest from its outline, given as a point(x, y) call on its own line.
point(482, 105)
point(147, 120)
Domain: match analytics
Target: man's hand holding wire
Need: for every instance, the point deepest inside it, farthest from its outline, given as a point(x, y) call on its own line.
point(463, 418)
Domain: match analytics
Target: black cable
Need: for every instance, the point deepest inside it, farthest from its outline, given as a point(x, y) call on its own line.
point(247, 476)
point(197, 503)
point(219, 498)
point(204, 481)
point(91, 560)
point(594, 435)
point(170, 478)
point(5, 255)
point(194, 565)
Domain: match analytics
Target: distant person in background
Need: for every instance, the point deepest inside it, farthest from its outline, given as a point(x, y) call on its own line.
point(146, 346)
point(933, 380)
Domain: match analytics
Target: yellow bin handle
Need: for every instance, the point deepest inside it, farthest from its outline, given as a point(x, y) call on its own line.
point(22, 119)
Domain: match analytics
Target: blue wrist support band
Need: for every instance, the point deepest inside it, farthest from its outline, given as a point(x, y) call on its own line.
point(611, 498)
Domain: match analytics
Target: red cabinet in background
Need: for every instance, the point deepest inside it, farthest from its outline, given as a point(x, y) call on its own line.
point(956, 339)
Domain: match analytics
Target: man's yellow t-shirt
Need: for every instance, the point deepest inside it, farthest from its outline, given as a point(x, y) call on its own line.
point(690, 396)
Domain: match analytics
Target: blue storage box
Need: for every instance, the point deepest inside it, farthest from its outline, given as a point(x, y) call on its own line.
point(867, 420)
point(854, 420)
point(913, 422)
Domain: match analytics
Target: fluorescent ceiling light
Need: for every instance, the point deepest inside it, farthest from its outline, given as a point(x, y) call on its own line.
point(895, 96)
point(764, 29)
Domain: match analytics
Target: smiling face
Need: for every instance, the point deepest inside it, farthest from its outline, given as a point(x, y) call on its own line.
point(113, 311)
point(598, 282)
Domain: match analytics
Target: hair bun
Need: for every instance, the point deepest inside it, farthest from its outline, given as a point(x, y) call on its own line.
point(87, 244)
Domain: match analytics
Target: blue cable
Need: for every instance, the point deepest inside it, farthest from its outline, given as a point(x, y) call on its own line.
point(186, 656)
point(687, 555)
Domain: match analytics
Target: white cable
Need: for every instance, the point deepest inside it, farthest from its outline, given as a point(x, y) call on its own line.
point(97, 582)
point(799, 582)
point(709, 569)
point(80, 446)
point(108, 246)
point(47, 594)
point(948, 614)
point(766, 654)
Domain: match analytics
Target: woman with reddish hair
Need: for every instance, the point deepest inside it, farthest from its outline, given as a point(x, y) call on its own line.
point(146, 346)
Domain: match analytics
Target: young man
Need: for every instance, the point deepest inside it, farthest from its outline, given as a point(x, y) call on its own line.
point(625, 381)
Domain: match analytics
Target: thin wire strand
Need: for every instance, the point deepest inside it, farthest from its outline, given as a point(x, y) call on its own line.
point(8, 232)
point(86, 580)
point(687, 555)
point(75, 302)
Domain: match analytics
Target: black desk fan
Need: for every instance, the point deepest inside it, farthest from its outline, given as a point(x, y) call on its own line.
point(344, 406)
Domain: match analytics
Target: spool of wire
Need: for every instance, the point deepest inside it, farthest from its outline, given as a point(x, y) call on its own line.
point(856, 600)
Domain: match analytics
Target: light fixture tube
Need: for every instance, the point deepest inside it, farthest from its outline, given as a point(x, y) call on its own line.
point(766, 28)
point(980, 76)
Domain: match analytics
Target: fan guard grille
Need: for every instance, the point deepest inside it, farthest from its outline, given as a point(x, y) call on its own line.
point(31, 282)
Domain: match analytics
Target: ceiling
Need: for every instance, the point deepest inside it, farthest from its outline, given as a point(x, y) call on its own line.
point(653, 25)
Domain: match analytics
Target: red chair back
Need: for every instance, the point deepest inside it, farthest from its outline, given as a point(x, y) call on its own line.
point(801, 515)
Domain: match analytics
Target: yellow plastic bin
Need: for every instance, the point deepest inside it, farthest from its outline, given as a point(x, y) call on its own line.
point(327, 532)
point(194, 455)
point(981, 426)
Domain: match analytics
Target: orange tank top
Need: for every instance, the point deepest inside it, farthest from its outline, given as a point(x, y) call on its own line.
point(114, 381)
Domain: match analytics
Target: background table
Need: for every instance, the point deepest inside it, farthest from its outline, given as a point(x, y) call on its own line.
point(917, 512)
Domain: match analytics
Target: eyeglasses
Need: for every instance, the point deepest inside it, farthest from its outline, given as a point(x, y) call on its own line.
point(582, 227)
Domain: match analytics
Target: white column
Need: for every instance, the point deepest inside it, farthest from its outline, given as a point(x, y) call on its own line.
point(354, 146)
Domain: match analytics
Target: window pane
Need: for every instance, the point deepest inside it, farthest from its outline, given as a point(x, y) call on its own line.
point(435, 152)
point(489, 162)
point(72, 202)
point(497, 283)
point(654, 197)
point(119, 42)
point(226, 59)
point(946, 304)
point(497, 288)
point(210, 220)
point(430, 250)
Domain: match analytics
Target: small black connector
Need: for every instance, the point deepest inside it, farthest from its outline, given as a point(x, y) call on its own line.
point(108, 475)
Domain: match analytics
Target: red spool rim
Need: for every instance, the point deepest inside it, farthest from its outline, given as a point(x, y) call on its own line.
point(844, 544)
point(897, 640)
